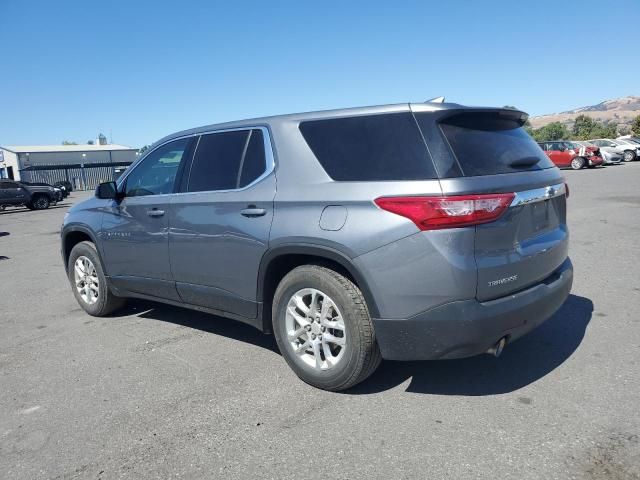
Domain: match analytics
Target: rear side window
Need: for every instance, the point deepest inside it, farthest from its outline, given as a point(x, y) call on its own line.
point(367, 148)
point(227, 161)
point(489, 144)
point(254, 163)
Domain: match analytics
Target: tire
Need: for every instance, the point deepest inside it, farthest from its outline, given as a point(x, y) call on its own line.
point(358, 356)
point(577, 163)
point(40, 202)
point(629, 155)
point(104, 302)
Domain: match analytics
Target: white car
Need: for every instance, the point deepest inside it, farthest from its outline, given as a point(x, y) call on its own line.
point(627, 148)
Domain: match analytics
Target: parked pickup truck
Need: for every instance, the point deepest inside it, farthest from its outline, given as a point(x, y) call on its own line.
point(35, 197)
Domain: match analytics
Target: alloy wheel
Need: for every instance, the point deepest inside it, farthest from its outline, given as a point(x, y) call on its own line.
point(86, 279)
point(576, 163)
point(41, 203)
point(315, 329)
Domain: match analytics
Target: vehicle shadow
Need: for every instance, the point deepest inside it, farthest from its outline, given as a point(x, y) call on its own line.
point(525, 361)
point(205, 322)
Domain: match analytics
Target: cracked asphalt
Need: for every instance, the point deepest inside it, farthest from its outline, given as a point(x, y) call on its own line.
point(161, 392)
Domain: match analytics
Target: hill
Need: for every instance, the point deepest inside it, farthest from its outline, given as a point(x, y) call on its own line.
point(619, 110)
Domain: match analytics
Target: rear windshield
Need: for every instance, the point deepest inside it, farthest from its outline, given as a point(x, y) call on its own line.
point(368, 148)
point(488, 144)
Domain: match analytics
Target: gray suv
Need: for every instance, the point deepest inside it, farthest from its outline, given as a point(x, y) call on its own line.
point(403, 232)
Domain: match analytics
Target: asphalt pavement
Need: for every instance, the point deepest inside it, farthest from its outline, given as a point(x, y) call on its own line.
point(162, 392)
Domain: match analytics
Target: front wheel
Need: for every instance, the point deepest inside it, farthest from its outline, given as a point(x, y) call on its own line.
point(41, 202)
point(577, 163)
point(323, 328)
point(629, 155)
point(89, 283)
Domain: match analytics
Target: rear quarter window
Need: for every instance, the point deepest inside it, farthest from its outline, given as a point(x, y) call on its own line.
point(489, 144)
point(370, 148)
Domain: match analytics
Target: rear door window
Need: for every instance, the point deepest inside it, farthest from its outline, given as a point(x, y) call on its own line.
point(227, 161)
point(488, 143)
point(370, 148)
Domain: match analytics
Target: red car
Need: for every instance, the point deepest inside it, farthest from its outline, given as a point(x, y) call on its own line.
point(568, 154)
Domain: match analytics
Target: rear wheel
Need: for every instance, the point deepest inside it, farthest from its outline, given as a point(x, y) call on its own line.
point(89, 283)
point(629, 155)
point(577, 163)
point(323, 328)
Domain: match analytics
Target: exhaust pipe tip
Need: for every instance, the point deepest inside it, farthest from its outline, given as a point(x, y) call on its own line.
point(496, 350)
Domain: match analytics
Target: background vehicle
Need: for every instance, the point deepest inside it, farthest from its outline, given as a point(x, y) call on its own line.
point(610, 155)
point(564, 153)
point(632, 138)
point(34, 197)
point(66, 184)
point(372, 246)
point(59, 192)
point(629, 150)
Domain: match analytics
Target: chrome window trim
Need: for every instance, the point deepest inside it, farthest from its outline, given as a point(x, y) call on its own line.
point(268, 149)
point(538, 194)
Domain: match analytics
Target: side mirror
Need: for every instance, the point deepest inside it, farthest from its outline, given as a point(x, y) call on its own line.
point(107, 191)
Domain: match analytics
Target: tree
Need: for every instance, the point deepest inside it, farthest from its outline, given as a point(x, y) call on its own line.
point(67, 142)
point(624, 130)
point(90, 142)
point(586, 128)
point(583, 127)
point(635, 126)
point(551, 131)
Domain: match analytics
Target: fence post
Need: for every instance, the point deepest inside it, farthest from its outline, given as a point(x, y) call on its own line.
point(84, 176)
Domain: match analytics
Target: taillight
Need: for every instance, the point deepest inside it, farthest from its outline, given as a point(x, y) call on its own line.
point(434, 213)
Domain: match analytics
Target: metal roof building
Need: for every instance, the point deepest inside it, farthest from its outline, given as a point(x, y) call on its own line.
point(83, 165)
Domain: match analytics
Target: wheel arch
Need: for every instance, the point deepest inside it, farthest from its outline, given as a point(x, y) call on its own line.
point(73, 235)
point(277, 262)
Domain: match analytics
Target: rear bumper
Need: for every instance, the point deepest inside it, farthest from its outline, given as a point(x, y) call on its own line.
point(469, 327)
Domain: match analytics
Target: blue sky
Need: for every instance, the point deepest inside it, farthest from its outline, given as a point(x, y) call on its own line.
point(143, 69)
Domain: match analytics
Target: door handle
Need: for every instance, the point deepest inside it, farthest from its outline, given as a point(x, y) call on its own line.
point(155, 212)
point(251, 211)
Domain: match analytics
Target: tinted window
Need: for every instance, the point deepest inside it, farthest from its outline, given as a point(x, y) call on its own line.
point(156, 174)
point(374, 147)
point(488, 144)
point(227, 160)
point(254, 163)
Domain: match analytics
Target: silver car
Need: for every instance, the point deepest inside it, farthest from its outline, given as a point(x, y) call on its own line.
point(403, 232)
point(629, 150)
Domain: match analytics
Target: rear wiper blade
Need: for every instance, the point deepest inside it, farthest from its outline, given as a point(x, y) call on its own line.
point(524, 162)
